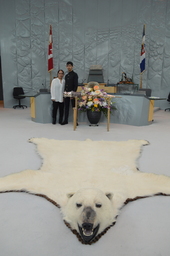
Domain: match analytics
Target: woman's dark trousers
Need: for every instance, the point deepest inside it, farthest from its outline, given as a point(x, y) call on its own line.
point(57, 105)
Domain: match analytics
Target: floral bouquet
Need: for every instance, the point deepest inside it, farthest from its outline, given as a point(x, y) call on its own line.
point(94, 99)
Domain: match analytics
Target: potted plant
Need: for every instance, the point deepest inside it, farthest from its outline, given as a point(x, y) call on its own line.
point(94, 101)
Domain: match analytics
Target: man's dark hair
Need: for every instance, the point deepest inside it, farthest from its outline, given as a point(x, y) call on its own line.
point(69, 63)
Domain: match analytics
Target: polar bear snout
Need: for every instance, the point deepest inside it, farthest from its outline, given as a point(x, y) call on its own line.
point(88, 215)
point(87, 229)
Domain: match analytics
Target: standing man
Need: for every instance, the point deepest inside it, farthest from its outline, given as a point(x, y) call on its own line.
point(71, 84)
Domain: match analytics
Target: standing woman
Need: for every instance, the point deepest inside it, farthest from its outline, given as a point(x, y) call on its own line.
point(57, 89)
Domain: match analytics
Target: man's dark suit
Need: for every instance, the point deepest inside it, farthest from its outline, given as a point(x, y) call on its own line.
point(71, 84)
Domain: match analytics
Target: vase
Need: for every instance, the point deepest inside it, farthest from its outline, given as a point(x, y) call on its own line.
point(93, 117)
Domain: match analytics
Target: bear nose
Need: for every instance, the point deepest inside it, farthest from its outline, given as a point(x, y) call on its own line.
point(87, 226)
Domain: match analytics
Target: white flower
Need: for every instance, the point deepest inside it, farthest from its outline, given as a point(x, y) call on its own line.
point(82, 103)
point(97, 92)
point(104, 103)
point(89, 103)
point(87, 89)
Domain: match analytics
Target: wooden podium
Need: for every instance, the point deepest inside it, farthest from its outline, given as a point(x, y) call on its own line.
point(108, 89)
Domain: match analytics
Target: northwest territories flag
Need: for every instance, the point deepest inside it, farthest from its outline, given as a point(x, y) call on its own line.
point(50, 51)
point(142, 56)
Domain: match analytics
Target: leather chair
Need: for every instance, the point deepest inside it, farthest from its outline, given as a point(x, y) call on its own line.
point(169, 102)
point(96, 74)
point(18, 93)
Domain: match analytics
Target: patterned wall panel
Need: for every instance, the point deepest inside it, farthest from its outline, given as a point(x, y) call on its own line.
point(90, 34)
point(65, 32)
point(79, 16)
point(23, 44)
point(107, 33)
point(165, 78)
point(38, 54)
point(103, 36)
point(8, 50)
point(156, 45)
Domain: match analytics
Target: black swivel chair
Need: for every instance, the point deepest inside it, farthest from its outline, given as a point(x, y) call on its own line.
point(18, 93)
point(168, 101)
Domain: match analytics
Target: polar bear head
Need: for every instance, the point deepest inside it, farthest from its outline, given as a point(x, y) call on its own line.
point(89, 212)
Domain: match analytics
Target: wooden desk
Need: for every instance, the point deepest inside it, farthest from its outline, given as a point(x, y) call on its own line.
point(108, 89)
point(131, 110)
point(151, 106)
point(32, 96)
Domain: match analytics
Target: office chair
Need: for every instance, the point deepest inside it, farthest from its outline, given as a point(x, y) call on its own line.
point(18, 93)
point(96, 74)
point(168, 101)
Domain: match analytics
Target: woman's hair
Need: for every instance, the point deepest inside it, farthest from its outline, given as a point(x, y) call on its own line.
point(61, 71)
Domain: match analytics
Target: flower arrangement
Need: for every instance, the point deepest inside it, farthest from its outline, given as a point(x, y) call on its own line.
point(94, 99)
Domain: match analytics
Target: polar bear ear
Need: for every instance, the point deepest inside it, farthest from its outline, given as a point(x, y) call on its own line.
point(109, 195)
point(70, 195)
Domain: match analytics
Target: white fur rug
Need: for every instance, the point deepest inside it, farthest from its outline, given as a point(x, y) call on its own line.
point(89, 180)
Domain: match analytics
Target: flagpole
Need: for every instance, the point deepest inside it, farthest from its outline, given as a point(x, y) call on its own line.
point(50, 77)
point(141, 80)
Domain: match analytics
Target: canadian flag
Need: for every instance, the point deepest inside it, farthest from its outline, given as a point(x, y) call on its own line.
point(50, 51)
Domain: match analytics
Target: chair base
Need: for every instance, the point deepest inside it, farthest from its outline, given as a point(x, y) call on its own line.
point(19, 106)
point(167, 109)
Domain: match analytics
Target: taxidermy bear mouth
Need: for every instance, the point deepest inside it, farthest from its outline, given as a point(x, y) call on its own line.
point(87, 232)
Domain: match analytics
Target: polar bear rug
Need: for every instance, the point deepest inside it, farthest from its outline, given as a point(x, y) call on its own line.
point(90, 181)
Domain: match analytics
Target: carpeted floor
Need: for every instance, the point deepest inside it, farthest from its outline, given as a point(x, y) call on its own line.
point(31, 225)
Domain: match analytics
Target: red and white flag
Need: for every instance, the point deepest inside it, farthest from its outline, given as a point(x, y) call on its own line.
point(50, 51)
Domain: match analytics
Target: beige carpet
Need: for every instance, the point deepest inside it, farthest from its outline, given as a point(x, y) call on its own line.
point(94, 178)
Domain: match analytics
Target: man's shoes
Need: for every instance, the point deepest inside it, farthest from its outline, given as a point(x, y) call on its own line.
point(63, 123)
point(60, 120)
point(54, 121)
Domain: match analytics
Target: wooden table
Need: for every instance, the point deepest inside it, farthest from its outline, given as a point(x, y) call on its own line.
point(75, 111)
point(151, 106)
